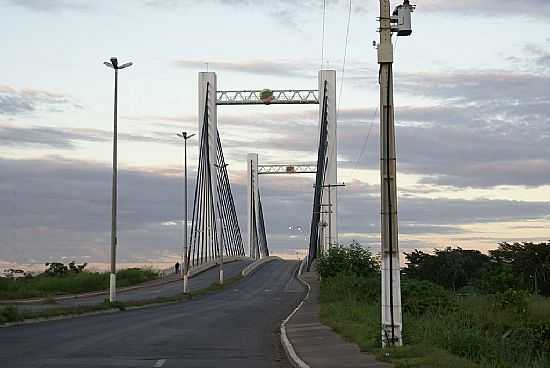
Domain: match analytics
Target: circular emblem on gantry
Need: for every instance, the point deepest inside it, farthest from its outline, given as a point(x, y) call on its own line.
point(266, 95)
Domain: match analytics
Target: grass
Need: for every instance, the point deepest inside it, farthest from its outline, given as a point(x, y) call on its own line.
point(44, 286)
point(10, 314)
point(466, 332)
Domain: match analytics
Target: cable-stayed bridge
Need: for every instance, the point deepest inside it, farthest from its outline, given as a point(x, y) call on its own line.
point(215, 229)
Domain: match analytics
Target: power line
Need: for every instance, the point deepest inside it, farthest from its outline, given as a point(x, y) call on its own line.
point(345, 56)
point(365, 142)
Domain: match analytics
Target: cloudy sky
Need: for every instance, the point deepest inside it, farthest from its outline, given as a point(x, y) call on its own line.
point(472, 109)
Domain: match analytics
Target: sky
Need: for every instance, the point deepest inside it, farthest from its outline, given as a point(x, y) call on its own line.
point(472, 118)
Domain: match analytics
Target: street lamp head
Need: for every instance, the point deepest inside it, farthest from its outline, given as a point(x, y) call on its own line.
point(109, 65)
point(125, 65)
point(114, 61)
point(184, 135)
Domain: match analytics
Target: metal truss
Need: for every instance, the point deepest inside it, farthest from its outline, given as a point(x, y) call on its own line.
point(287, 169)
point(278, 97)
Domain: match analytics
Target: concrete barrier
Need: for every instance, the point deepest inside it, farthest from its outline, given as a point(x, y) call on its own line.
point(253, 266)
point(206, 266)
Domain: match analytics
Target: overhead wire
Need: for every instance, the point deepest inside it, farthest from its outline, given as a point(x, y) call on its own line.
point(375, 114)
point(345, 55)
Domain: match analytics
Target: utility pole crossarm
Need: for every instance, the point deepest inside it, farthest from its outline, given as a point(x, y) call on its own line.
point(268, 97)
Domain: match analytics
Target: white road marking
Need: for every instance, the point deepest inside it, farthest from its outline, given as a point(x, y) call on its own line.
point(159, 363)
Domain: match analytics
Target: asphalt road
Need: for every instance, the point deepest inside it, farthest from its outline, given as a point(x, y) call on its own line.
point(200, 281)
point(234, 328)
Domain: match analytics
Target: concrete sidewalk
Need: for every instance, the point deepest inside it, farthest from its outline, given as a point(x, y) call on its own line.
point(317, 345)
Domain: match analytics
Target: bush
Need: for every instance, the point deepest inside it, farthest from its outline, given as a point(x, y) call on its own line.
point(9, 314)
point(511, 299)
point(354, 260)
point(46, 285)
point(347, 286)
point(132, 276)
point(59, 269)
point(419, 297)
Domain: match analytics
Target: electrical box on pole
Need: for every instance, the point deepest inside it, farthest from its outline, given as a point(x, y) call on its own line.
point(400, 24)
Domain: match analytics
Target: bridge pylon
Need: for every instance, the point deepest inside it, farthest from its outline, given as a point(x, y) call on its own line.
point(214, 227)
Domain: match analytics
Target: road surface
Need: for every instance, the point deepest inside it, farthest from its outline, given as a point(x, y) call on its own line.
point(234, 328)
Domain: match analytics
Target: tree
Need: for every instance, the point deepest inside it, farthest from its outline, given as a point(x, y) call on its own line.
point(530, 263)
point(59, 269)
point(452, 268)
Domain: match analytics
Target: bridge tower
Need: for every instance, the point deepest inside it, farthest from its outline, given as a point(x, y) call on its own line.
point(253, 194)
point(329, 195)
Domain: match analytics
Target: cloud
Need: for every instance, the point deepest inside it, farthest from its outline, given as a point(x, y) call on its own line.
point(258, 67)
point(14, 102)
point(531, 8)
point(480, 129)
point(51, 137)
point(49, 5)
point(66, 138)
point(56, 207)
point(286, 12)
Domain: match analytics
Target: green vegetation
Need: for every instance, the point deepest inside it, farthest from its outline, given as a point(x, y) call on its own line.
point(60, 279)
point(10, 314)
point(460, 308)
point(517, 266)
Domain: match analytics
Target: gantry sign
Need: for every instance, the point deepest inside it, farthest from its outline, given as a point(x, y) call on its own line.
point(325, 169)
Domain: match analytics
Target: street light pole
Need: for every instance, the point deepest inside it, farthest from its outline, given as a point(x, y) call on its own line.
point(112, 284)
point(185, 268)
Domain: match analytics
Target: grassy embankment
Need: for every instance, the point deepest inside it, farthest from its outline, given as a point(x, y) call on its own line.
point(44, 286)
point(10, 314)
point(442, 329)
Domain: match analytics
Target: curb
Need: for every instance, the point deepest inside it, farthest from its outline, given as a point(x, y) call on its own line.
point(251, 268)
point(293, 358)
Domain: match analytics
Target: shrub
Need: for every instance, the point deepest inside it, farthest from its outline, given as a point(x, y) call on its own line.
point(59, 269)
point(353, 259)
point(9, 314)
point(511, 299)
point(418, 297)
point(347, 286)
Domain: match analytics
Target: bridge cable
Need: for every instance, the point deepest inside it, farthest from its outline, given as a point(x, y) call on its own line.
point(319, 180)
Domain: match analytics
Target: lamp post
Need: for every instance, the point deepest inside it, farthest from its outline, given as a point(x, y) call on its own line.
point(185, 268)
point(113, 64)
